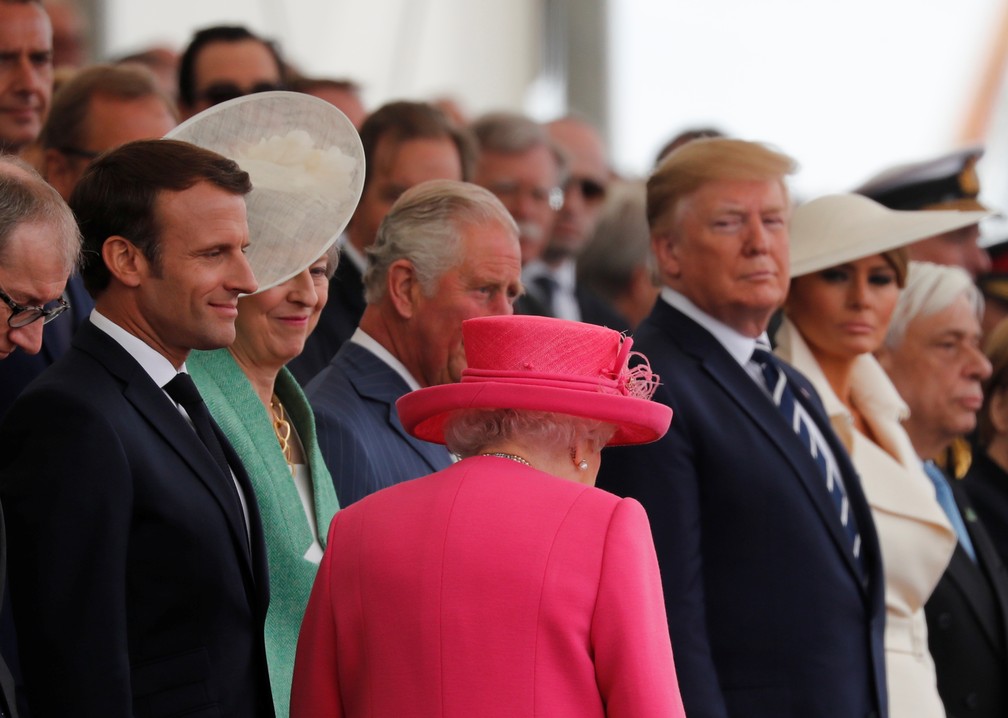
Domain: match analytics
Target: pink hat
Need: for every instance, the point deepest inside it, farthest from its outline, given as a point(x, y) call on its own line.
point(544, 364)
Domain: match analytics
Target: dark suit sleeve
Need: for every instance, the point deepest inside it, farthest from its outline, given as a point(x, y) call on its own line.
point(663, 477)
point(346, 456)
point(68, 532)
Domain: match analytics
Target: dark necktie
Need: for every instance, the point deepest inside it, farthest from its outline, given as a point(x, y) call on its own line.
point(943, 492)
point(183, 390)
point(783, 396)
point(547, 287)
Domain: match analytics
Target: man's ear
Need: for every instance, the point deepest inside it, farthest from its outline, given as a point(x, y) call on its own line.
point(666, 252)
point(125, 261)
point(403, 287)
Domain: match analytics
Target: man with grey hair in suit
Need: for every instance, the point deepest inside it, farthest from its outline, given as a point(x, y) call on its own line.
point(447, 251)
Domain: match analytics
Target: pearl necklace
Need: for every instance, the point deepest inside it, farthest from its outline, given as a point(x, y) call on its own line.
point(503, 455)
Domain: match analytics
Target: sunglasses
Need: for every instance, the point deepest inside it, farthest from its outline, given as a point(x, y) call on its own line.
point(223, 91)
point(591, 190)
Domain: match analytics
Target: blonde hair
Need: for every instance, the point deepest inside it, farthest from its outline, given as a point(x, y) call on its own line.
point(694, 164)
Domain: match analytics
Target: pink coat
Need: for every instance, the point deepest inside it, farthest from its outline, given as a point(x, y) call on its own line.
point(487, 589)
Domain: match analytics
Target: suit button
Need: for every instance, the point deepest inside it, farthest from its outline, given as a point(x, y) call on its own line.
point(945, 620)
point(973, 701)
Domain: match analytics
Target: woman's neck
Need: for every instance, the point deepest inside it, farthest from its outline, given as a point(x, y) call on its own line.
point(263, 379)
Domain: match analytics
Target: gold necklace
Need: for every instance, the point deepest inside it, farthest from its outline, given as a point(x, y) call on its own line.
point(282, 428)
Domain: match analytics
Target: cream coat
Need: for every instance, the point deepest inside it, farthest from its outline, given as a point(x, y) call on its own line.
point(916, 539)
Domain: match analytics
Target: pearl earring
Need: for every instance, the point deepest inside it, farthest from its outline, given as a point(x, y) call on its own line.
point(583, 465)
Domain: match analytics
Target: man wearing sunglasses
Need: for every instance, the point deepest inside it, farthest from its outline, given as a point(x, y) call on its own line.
point(554, 275)
point(224, 62)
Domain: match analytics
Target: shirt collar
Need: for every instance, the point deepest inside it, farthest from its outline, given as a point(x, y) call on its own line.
point(363, 339)
point(738, 345)
point(150, 359)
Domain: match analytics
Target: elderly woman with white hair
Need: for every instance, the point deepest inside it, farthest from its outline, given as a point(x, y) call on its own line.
point(506, 585)
point(848, 266)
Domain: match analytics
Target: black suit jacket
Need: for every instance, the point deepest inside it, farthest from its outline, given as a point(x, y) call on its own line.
point(967, 616)
point(337, 322)
point(136, 588)
point(8, 701)
point(767, 612)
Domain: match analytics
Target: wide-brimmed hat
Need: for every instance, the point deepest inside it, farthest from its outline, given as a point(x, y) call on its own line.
point(306, 163)
point(544, 364)
point(840, 228)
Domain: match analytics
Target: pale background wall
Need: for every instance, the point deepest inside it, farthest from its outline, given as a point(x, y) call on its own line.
point(846, 86)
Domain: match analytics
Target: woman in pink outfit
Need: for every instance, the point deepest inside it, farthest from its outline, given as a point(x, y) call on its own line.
point(505, 585)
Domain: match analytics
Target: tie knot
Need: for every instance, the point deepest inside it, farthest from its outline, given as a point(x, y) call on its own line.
point(182, 389)
point(763, 356)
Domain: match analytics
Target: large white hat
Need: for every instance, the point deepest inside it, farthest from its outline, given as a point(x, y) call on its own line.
point(306, 163)
point(840, 228)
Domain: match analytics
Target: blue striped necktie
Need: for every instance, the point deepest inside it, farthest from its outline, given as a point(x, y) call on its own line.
point(783, 396)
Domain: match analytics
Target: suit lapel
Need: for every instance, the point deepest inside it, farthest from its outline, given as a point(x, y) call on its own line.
point(377, 381)
point(747, 395)
point(963, 572)
point(152, 403)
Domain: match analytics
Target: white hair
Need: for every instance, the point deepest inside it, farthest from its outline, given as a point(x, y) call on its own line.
point(931, 288)
point(469, 431)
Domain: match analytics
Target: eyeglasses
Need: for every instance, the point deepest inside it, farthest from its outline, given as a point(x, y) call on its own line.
point(591, 190)
point(223, 91)
point(22, 316)
point(509, 191)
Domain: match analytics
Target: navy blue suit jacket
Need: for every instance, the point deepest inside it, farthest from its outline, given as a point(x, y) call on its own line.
point(136, 588)
point(967, 615)
point(337, 323)
point(767, 613)
point(362, 440)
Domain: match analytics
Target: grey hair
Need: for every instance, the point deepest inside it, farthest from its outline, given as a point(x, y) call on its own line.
point(470, 431)
point(931, 288)
point(26, 198)
point(332, 256)
point(509, 133)
point(620, 243)
point(425, 227)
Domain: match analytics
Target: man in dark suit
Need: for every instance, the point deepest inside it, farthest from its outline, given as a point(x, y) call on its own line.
point(138, 570)
point(772, 575)
point(39, 248)
point(405, 143)
point(447, 251)
point(932, 354)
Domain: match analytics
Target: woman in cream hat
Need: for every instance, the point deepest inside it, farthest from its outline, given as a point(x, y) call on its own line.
point(306, 166)
point(505, 585)
point(847, 266)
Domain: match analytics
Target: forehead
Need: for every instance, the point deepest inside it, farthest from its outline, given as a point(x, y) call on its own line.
point(957, 318)
point(202, 214)
point(24, 27)
point(718, 195)
point(536, 165)
point(410, 162)
point(239, 61)
point(114, 121)
point(32, 272)
point(490, 243)
point(585, 149)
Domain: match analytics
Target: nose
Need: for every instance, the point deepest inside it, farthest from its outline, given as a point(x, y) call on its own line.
point(979, 261)
point(757, 236)
point(241, 279)
point(857, 294)
point(978, 366)
point(28, 337)
point(302, 289)
point(27, 78)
